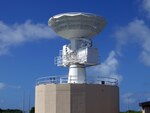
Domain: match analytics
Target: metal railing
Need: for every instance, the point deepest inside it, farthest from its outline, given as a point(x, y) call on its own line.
point(64, 80)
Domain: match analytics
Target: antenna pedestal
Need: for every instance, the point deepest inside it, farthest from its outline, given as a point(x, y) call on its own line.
point(77, 74)
point(79, 28)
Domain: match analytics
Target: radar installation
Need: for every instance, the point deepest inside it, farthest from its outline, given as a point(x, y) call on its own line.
point(79, 28)
point(77, 93)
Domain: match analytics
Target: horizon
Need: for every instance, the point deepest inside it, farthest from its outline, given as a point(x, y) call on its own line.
point(28, 47)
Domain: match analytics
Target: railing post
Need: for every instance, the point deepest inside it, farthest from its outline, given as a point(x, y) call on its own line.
point(61, 80)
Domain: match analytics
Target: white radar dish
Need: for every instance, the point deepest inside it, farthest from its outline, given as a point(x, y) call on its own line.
point(77, 25)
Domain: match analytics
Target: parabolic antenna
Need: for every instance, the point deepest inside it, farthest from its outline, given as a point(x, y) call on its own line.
point(76, 25)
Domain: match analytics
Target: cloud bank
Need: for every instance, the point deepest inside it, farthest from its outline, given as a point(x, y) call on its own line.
point(129, 98)
point(108, 68)
point(136, 32)
point(134, 98)
point(2, 85)
point(16, 34)
point(146, 7)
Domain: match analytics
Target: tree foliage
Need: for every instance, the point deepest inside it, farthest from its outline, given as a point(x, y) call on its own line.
point(131, 111)
point(10, 111)
point(32, 110)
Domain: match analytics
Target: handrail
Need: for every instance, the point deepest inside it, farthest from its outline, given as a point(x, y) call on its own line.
point(64, 80)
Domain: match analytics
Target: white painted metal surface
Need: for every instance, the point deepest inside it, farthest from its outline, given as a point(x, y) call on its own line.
point(78, 28)
point(77, 74)
point(77, 25)
point(83, 56)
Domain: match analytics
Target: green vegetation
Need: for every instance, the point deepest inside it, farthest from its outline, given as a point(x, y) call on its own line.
point(14, 110)
point(32, 110)
point(131, 111)
point(10, 111)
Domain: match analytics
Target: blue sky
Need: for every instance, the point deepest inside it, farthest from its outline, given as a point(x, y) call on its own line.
point(28, 46)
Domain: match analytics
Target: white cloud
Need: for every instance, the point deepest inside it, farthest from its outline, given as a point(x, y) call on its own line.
point(129, 98)
point(13, 87)
point(135, 32)
point(146, 6)
point(2, 85)
point(148, 99)
point(108, 68)
point(146, 96)
point(16, 34)
point(135, 98)
point(145, 55)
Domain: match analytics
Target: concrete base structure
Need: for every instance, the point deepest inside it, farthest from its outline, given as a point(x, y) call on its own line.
point(76, 98)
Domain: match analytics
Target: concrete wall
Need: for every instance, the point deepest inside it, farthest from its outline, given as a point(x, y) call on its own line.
point(76, 98)
point(146, 110)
